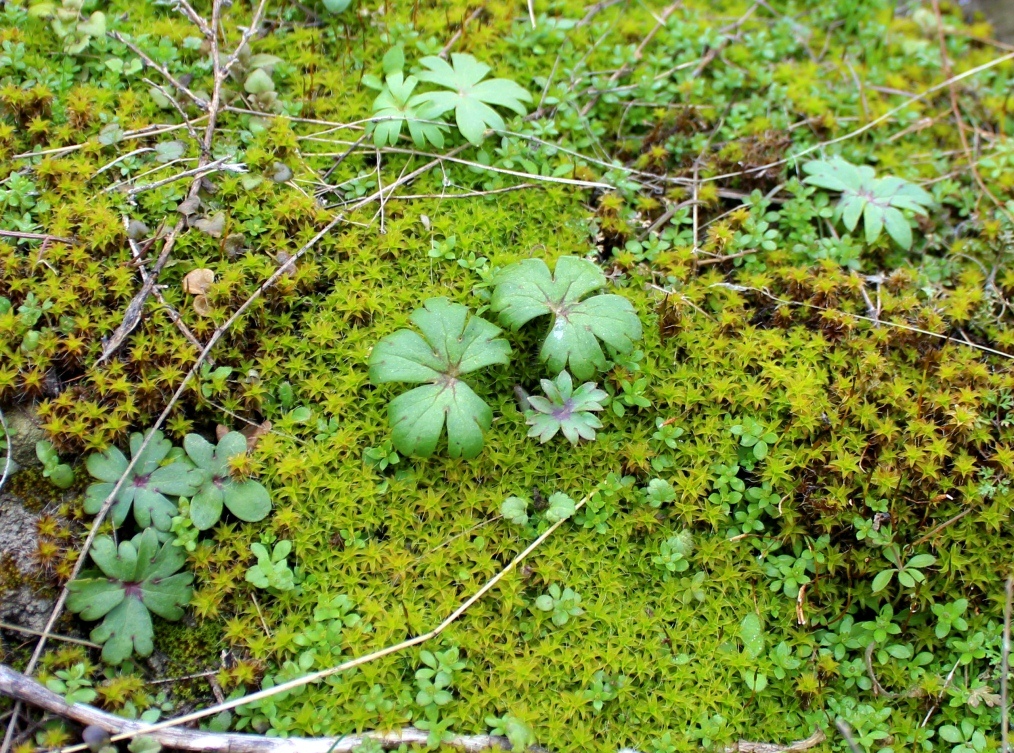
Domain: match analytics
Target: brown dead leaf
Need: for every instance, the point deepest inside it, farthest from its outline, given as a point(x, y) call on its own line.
point(201, 305)
point(221, 431)
point(234, 245)
point(198, 281)
point(189, 206)
point(213, 225)
point(253, 434)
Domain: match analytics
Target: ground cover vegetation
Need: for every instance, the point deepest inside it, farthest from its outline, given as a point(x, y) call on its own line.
point(710, 301)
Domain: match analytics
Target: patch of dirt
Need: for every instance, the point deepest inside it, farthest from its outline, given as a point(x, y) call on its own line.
point(23, 599)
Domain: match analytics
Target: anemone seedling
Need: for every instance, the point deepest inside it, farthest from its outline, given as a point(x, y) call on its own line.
point(468, 95)
point(565, 409)
point(158, 474)
point(563, 603)
point(527, 290)
point(879, 201)
point(139, 577)
point(452, 343)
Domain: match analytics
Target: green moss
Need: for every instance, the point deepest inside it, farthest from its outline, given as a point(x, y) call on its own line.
point(188, 649)
point(877, 426)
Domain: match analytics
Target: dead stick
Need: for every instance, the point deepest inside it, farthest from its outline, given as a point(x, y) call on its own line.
point(16, 685)
point(36, 237)
point(29, 631)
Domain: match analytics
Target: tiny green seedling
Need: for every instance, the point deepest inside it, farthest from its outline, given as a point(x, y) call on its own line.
point(397, 105)
point(60, 474)
point(673, 553)
point(515, 509)
point(452, 343)
point(562, 603)
point(518, 733)
point(908, 573)
point(754, 437)
point(527, 290)
point(272, 571)
point(565, 409)
point(73, 685)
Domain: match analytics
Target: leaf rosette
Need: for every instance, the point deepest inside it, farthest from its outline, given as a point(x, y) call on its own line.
point(452, 344)
point(136, 578)
point(878, 201)
point(247, 500)
point(565, 409)
point(469, 95)
point(158, 474)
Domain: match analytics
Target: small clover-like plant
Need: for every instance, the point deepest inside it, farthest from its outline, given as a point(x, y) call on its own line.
point(437, 676)
point(469, 95)
point(965, 739)
point(159, 473)
point(562, 603)
point(382, 456)
point(659, 492)
point(138, 577)
point(526, 290)
point(950, 617)
point(909, 573)
point(452, 343)
point(879, 201)
point(560, 508)
point(60, 474)
point(272, 571)
point(565, 409)
point(673, 553)
point(754, 437)
point(515, 509)
point(248, 500)
point(73, 685)
point(603, 689)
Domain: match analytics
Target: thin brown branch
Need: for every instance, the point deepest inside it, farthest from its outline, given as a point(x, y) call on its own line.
point(638, 54)
point(9, 450)
point(1005, 668)
point(162, 70)
point(39, 633)
point(957, 517)
point(37, 237)
point(461, 30)
point(956, 110)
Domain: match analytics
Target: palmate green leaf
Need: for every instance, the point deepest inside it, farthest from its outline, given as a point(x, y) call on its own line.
point(527, 290)
point(878, 201)
point(452, 343)
point(138, 576)
point(470, 97)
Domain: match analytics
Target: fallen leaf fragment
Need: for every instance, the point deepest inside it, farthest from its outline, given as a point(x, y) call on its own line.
point(198, 281)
